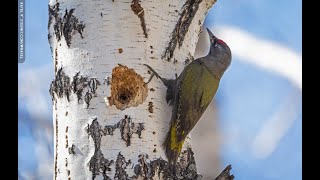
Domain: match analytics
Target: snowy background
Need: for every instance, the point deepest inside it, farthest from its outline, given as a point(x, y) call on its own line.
point(259, 98)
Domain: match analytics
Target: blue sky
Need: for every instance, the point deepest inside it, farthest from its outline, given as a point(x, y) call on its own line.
point(248, 96)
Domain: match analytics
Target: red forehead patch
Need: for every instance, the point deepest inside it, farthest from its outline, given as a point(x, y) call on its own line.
point(220, 41)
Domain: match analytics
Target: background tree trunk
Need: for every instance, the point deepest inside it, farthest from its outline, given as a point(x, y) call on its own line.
point(108, 123)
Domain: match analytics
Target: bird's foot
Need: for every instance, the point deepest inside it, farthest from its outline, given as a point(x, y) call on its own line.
point(153, 73)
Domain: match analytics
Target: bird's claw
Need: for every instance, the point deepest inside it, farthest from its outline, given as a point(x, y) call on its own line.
point(154, 73)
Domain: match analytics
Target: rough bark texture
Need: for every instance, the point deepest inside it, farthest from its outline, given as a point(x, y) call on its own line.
point(109, 123)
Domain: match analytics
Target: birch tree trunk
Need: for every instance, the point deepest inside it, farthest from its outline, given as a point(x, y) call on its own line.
point(108, 123)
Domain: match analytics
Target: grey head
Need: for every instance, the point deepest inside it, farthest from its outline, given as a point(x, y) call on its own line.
point(219, 57)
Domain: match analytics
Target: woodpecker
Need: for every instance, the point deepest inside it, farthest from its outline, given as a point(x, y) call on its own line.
point(191, 93)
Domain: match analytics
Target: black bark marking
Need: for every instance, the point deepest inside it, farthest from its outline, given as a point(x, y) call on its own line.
point(98, 164)
point(66, 162)
point(138, 10)
point(69, 24)
point(71, 149)
point(61, 86)
point(141, 169)
point(121, 165)
point(150, 107)
point(67, 141)
point(127, 129)
point(93, 85)
point(189, 10)
point(53, 13)
point(148, 170)
point(185, 168)
point(55, 59)
point(78, 84)
point(64, 26)
point(187, 61)
point(67, 128)
point(187, 165)
point(107, 81)
point(68, 171)
point(87, 98)
point(175, 61)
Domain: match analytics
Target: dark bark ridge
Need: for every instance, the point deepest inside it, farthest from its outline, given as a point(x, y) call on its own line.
point(145, 169)
point(121, 165)
point(189, 10)
point(64, 26)
point(138, 10)
point(127, 129)
point(62, 86)
point(97, 161)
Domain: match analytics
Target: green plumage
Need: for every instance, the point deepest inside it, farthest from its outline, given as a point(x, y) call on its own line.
point(196, 88)
point(191, 93)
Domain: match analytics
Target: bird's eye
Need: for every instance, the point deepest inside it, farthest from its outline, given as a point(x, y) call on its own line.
point(215, 44)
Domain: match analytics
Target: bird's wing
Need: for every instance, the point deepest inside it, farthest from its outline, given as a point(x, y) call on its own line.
point(196, 89)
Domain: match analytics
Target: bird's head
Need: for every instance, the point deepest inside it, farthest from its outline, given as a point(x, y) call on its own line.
point(219, 50)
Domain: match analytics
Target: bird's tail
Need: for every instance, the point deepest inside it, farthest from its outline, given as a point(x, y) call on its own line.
point(172, 146)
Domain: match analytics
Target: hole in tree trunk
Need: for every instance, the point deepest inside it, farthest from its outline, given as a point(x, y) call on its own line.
point(127, 88)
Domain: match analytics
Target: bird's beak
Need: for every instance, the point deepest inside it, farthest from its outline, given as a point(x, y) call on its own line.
point(211, 35)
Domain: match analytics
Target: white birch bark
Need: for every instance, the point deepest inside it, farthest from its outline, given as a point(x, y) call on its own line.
point(108, 123)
